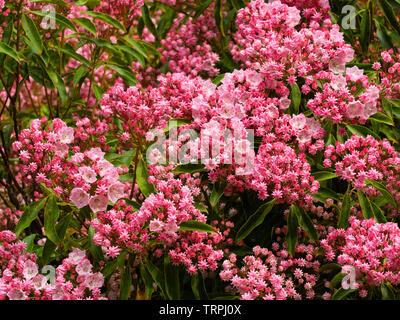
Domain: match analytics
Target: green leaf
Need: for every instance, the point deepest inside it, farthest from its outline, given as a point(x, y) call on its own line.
point(80, 73)
point(30, 213)
point(6, 49)
point(200, 207)
point(385, 192)
point(365, 29)
point(142, 176)
point(156, 274)
point(51, 215)
point(29, 240)
point(216, 194)
point(390, 15)
point(94, 249)
point(296, 97)
point(125, 284)
point(126, 74)
point(106, 18)
point(330, 266)
point(254, 220)
point(86, 24)
point(324, 193)
point(361, 131)
point(336, 280)
point(198, 287)
point(148, 22)
point(175, 123)
point(344, 214)
point(98, 92)
point(58, 83)
point(189, 168)
point(365, 205)
point(62, 21)
point(75, 55)
point(387, 292)
point(171, 280)
point(219, 21)
point(33, 34)
point(193, 225)
point(147, 280)
point(291, 236)
point(324, 175)
point(112, 265)
point(382, 118)
point(378, 214)
point(340, 294)
point(306, 223)
point(202, 8)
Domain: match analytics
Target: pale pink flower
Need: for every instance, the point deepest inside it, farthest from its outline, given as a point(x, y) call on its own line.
point(79, 197)
point(156, 225)
point(16, 294)
point(116, 191)
point(94, 281)
point(84, 267)
point(88, 174)
point(66, 135)
point(98, 203)
point(95, 154)
point(76, 255)
point(30, 269)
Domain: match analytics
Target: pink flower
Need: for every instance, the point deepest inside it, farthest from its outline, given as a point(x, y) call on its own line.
point(79, 197)
point(94, 281)
point(76, 255)
point(156, 225)
point(95, 154)
point(66, 135)
point(116, 191)
point(30, 269)
point(16, 294)
point(355, 109)
point(98, 203)
point(88, 174)
point(84, 267)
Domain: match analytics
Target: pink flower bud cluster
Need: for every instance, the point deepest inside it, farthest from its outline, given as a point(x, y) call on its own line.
point(155, 227)
point(267, 40)
point(360, 159)
point(373, 249)
point(186, 47)
point(20, 279)
point(273, 274)
point(350, 97)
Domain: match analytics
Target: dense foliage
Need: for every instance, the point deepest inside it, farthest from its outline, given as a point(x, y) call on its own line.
point(195, 149)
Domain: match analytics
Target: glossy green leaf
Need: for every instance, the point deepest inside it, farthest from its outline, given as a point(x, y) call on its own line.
point(291, 236)
point(51, 215)
point(344, 213)
point(254, 220)
point(142, 176)
point(193, 225)
point(30, 213)
point(171, 280)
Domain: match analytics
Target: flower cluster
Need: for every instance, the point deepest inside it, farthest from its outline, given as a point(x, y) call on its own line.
point(273, 274)
point(371, 248)
point(20, 278)
point(360, 159)
point(158, 222)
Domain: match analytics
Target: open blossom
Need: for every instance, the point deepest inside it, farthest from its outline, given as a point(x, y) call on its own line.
point(79, 197)
point(116, 191)
point(98, 203)
point(66, 135)
point(88, 174)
